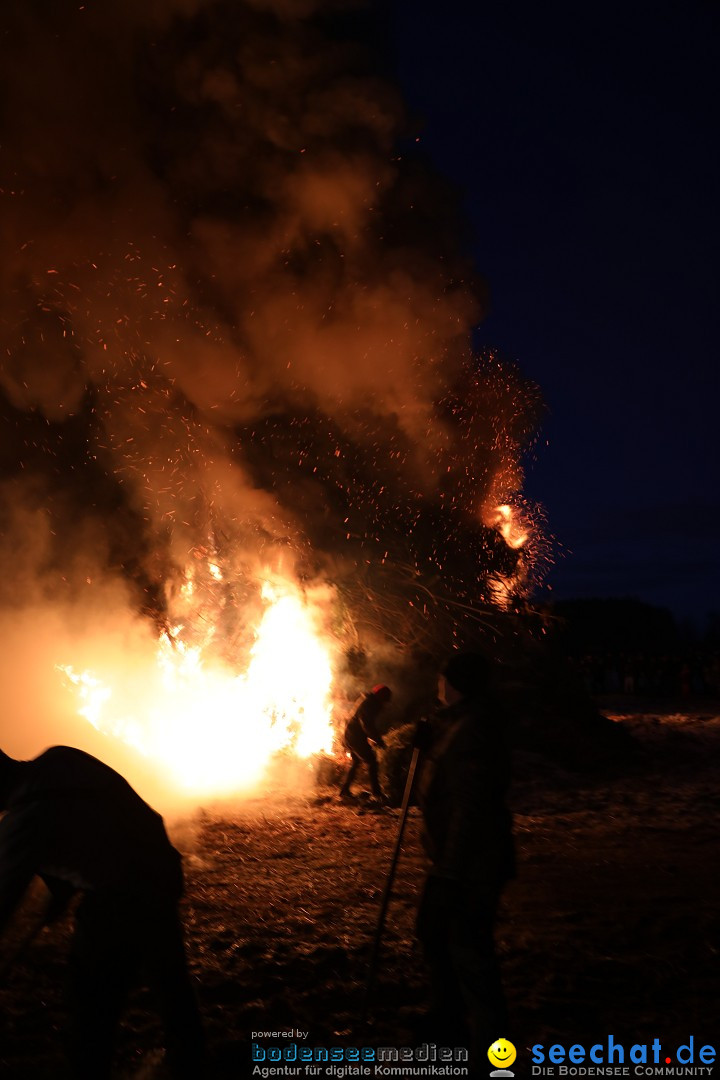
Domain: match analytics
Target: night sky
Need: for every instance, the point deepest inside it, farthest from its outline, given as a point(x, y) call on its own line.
point(584, 144)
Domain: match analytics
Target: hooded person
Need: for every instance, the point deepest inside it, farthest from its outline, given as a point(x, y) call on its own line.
point(360, 730)
point(468, 838)
point(78, 824)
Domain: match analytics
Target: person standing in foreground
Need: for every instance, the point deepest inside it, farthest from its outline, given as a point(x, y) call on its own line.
point(468, 837)
point(362, 727)
point(80, 826)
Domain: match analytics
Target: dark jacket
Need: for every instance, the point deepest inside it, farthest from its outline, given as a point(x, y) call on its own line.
point(72, 819)
point(461, 790)
point(362, 725)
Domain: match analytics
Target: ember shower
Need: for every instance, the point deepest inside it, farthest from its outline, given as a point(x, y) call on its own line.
point(236, 370)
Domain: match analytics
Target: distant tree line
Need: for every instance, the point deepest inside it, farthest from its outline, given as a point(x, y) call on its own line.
point(625, 646)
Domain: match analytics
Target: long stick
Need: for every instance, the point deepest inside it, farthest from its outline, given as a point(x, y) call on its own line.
point(372, 970)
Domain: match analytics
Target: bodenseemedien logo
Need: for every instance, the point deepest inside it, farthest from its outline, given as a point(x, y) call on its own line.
point(502, 1054)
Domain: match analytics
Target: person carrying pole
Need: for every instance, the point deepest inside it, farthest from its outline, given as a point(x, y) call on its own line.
point(360, 731)
point(79, 825)
point(468, 837)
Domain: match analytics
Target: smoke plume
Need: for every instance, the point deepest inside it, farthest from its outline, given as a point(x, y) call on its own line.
point(236, 325)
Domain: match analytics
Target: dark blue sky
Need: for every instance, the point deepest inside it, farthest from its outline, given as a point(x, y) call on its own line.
point(584, 141)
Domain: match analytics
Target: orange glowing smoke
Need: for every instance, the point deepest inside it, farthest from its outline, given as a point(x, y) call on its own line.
point(213, 731)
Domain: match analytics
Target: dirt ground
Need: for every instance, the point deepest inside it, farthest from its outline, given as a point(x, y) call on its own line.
point(612, 926)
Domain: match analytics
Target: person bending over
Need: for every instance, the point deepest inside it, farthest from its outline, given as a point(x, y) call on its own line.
point(360, 731)
point(79, 825)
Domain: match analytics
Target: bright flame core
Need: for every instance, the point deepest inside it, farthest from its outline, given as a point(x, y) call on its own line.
point(212, 731)
point(510, 527)
point(515, 533)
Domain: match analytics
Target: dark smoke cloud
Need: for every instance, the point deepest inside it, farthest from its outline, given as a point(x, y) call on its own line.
point(234, 322)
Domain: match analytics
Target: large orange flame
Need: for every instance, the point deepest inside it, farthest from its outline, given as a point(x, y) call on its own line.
point(213, 731)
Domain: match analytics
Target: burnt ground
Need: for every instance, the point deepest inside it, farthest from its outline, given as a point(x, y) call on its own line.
point(612, 926)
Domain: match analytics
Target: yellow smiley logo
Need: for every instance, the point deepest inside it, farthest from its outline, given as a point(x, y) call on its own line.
point(502, 1053)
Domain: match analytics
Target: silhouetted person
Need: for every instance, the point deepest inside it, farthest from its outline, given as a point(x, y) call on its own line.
point(79, 825)
point(361, 729)
point(468, 837)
